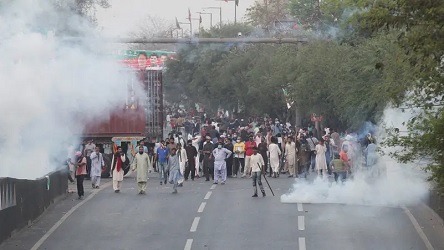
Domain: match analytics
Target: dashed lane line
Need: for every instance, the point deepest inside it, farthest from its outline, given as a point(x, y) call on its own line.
point(188, 244)
point(201, 207)
point(302, 243)
point(196, 220)
point(300, 208)
point(418, 228)
point(207, 196)
point(301, 223)
point(195, 224)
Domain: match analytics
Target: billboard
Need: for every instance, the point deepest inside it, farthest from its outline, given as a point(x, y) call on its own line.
point(145, 59)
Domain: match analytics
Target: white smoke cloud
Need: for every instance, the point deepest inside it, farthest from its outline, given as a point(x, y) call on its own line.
point(388, 184)
point(49, 87)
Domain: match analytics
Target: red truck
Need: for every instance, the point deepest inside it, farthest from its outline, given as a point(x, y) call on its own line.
point(137, 119)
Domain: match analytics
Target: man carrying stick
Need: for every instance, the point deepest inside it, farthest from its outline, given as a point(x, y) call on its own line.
point(257, 163)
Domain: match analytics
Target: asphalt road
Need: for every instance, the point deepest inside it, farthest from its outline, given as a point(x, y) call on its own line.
point(222, 217)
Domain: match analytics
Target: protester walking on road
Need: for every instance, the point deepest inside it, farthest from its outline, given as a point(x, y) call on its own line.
point(81, 172)
point(263, 150)
point(303, 156)
point(220, 155)
point(162, 158)
point(339, 168)
point(229, 145)
point(142, 163)
point(321, 161)
point(174, 168)
point(191, 152)
point(97, 164)
point(257, 163)
point(275, 154)
point(119, 162)
point(248, 152)
point(182, 154)
point(87, 151)
point(290, 156)
point(208, 161)
point(239, 157)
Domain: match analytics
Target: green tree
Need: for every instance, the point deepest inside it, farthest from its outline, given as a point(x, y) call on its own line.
point(421, 31)
point(265, 13)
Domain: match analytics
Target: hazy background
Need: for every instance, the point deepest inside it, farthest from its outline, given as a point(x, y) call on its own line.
point(127, 16)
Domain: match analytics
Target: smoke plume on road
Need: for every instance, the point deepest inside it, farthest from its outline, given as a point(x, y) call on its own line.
point(50, 86)
point(389, 183)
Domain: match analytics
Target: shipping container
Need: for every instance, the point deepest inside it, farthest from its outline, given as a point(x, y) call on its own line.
point(136, 119)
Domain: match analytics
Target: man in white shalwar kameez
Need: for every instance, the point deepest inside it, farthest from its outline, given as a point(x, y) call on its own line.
point(96, 167)
point(290, 156)
point(195, 143)
point(220, 166)
point(183, 159)
point(119, 162)
point(141, 164)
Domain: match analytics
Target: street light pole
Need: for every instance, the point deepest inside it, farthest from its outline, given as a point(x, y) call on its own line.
point(220, 13)
point(211, 17)
point(191, 34)
point(235, 8)
point(198, 20)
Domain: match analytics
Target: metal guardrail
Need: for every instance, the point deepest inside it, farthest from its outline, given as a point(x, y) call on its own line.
point(234, 40)
point(211, 40)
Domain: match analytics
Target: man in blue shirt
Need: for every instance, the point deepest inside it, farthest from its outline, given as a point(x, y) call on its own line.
point(162, 157)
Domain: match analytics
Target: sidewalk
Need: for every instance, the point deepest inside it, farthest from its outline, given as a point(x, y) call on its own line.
point(72, 187)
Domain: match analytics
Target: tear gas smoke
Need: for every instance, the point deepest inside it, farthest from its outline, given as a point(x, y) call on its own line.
point(49, 88)
point(388, 183)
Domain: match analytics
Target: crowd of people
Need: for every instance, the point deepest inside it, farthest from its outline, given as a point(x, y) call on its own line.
point(221, 148)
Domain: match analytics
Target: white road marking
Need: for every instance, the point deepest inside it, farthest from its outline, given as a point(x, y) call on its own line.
point(201, 207)
point(195, 224)
point(300, 208)
point(188, 244)
point(418, 228)
point(207, 196)
point(301, 223)
point(302, 243)
point(64, 217)
point(213, 186)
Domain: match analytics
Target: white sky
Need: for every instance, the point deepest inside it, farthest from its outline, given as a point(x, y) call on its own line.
point(126, 16)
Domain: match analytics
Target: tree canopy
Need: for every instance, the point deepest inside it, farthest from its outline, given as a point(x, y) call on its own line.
point(420, 25)
point(381, 53)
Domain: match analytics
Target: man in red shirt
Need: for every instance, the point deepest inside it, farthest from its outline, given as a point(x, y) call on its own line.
point(249, 146)
point(344, 157)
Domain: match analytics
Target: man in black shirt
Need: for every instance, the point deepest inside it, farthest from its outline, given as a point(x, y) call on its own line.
point(229, 145)
point(151, 145)
point(191, 155)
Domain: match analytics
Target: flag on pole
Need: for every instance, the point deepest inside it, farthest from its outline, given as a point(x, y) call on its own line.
point(189, 14)
point(200, 18)
point(177, 24)
point(236, 2)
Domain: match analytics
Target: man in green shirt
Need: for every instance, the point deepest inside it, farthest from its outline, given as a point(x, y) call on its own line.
point(339, 168)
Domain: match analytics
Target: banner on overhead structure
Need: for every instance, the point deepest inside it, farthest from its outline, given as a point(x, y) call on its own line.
point(145, 59)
